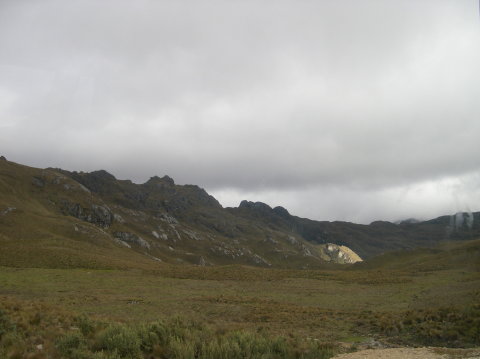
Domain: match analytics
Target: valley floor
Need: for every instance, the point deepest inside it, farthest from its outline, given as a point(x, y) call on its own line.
point(399, 308)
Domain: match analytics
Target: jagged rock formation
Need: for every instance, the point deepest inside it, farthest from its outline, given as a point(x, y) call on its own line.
point(184, 224)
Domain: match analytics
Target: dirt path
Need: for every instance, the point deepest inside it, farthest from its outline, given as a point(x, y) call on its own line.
point(412, 353)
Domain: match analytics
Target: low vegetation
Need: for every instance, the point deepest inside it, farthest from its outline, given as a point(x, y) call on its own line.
point(239, 312)
point(28, 330)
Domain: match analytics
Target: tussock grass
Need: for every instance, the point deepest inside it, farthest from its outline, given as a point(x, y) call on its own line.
point(175, 337)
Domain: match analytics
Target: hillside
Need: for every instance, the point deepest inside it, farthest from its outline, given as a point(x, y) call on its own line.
point(55, 218)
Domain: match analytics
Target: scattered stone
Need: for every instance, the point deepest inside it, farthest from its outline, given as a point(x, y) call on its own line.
point(167, 218)
point(8, 210)
point(155, 234)
point(306, 252)
point(292, 240)
point(269, 239)
point(192, 235)
point(152, 257)
point(118, 218)
point(119, 241)
point(132, 238)
point(202, 262)
point(39, 182)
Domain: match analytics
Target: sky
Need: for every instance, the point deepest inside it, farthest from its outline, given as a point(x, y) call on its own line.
point(334, 109)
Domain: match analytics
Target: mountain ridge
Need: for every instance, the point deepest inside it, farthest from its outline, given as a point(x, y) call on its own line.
point(165, 222)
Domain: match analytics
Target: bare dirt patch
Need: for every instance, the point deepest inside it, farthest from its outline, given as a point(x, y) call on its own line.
point(412, 353)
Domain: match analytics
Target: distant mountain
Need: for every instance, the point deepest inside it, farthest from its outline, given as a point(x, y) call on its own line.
point(53, 217)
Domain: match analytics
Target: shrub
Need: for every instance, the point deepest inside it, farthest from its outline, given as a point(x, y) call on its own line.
point(148, 337)
point(319, 350)
point(6, 324)
point(181, 349)
point(71, 344)
point(85, 324)
point(240, 345)
point(120, 339)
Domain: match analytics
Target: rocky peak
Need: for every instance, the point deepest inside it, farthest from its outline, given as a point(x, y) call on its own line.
point(165, 180)
point(103, 174)
point(258, 206)
point(97, 181)
point(264, 209)
point(282, 212)
point(200, 196)
point(2, 158)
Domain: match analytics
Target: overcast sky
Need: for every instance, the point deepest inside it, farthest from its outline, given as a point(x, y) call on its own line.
point(335, 109)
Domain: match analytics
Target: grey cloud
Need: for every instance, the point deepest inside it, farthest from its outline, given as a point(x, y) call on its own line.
point(247, 97)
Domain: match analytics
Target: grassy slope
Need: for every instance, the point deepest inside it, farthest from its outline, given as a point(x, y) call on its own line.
point(37, 234)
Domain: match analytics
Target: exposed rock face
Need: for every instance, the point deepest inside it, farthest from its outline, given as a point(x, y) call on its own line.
point(8, 210)
point(257, 206)
point(2, 158)
point(167, 218)
point(340, 254)
point(131, 238)
point(282, 212)
point(99, 215)
point(97, 181)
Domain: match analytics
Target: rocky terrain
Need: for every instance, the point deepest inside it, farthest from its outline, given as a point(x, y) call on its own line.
point(166, 222)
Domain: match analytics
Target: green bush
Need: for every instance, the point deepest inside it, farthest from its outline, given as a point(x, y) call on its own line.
point(181, 349)
point(6, 324)
point(85, 324)
point(148, 337)
point(70, 345)
point(240, 345)
point(121, 340)
point(161, 330)
point(319, 350)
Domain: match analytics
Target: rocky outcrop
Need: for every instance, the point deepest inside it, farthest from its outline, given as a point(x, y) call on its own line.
point(98, 215)
point(7, 210)
point(339, 254)
point(38, 181)
point(2, 158)
point(131, 238)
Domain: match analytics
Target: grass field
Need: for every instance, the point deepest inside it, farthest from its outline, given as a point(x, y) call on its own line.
point(410, 305)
